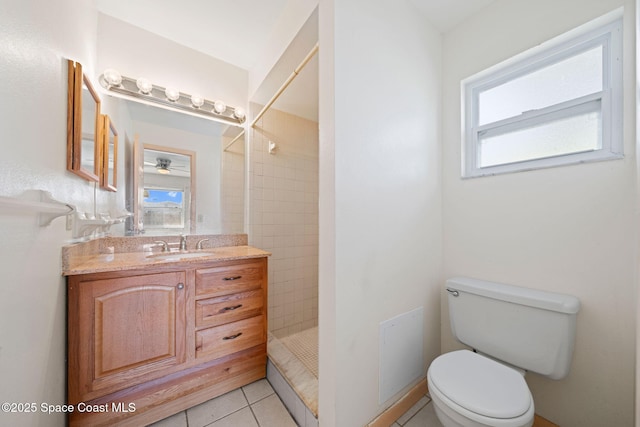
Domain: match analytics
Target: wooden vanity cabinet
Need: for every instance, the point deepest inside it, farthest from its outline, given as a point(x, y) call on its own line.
point(145, 344)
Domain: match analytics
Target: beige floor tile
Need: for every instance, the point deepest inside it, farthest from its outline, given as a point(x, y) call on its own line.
point(215, 409)
point(242, 418)
point(177, 420)
point(257, 390)
point(426, 417)
point(270, 412)
point(413, 410)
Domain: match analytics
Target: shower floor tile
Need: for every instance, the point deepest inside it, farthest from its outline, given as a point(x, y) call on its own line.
point(304, 345)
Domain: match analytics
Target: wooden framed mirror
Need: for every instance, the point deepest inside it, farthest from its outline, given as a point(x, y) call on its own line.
point(109, 155)
point(83, 125)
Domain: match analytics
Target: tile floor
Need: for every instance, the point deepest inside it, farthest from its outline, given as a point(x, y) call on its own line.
point(422, 414)
point(254, 405)
point(257, 405)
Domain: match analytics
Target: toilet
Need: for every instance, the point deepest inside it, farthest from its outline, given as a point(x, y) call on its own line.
point(510, 330)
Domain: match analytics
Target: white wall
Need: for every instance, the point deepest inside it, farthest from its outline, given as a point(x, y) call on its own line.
point(568, 229)
point(380, 193)
point(138, 53)
point(37, 37)
point(289, 24)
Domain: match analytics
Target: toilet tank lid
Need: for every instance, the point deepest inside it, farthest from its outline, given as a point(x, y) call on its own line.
point(524, 296)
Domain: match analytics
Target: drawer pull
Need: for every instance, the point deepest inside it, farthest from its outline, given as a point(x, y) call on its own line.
point(232, 278)
point(232, 337)
point(235, 307)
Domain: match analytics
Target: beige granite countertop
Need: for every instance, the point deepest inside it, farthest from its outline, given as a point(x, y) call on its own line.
point(85, 264)
point(118, 254)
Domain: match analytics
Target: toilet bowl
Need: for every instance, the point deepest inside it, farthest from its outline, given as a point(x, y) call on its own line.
point(471, 390)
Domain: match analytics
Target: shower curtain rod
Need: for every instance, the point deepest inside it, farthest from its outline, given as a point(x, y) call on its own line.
point(273, 99)
point(234, 140)
point(293, 75)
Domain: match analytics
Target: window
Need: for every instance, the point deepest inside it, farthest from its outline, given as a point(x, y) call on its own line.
point(163, 208)
point(558, 106)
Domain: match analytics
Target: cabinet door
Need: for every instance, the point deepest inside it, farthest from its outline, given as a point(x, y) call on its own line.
point(131, 330)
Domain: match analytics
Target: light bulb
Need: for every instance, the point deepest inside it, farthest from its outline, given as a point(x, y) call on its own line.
point(219, 107)
point(239, 114)
point(172, 94)
point(112, 77)
point(197, 101)
point(144, 85)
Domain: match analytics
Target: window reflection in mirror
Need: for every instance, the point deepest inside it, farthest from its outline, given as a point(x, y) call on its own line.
point(165, 208)
point(168, 204)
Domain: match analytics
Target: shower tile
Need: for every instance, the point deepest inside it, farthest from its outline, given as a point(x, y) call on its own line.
point(299, 411)
point(310, 420)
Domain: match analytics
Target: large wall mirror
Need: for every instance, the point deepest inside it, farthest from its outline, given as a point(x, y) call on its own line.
point(84, 125)
point(180, 175)
point(109, 155)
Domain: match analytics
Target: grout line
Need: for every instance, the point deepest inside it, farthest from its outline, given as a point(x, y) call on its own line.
point(246, 399)
point(254, 415)
point(250, 405)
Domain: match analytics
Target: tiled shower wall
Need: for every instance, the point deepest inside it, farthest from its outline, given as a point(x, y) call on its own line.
point(232, 193)
point(284, 216)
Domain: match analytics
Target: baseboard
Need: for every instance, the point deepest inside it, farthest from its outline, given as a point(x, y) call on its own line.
point(398, 409)
point(538, 421)
point(395, 411)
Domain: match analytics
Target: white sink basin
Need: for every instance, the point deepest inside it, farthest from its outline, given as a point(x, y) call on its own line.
point(179, 256)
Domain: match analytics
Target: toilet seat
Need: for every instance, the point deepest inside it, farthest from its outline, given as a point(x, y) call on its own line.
point(480, 388)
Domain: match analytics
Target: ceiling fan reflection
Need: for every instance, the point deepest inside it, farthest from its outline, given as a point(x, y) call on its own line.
point(163, 166)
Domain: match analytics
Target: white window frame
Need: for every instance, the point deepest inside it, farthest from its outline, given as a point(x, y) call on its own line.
point(608, 102)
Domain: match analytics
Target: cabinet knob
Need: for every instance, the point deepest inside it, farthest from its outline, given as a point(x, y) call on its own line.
point(180, 285)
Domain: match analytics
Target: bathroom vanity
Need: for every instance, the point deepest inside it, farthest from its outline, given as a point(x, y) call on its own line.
point(151, 334)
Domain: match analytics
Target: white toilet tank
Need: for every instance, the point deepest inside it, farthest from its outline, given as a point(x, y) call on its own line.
point(528, 328)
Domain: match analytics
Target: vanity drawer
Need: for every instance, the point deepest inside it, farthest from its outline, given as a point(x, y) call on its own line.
point(230, 338)
point(229, 279)
point(229, 308)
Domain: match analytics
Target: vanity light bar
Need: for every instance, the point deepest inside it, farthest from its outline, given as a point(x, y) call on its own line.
point(143, 89)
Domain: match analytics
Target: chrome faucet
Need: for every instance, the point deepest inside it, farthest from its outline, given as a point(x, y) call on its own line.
point(183, 242)
point(200, 242)
point(165, 245)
